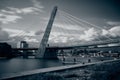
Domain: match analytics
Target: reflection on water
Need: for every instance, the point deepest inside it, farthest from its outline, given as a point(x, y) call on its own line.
point(19, 64)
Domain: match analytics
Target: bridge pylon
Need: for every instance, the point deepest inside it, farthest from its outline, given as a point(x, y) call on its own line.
point(42, 53)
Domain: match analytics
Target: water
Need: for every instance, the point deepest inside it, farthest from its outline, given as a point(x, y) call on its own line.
point(20, 64)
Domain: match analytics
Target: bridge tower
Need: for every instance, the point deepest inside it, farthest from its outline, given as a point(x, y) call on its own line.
point(42, 52)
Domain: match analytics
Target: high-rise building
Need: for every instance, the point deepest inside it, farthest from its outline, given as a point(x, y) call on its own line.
point(24, 44)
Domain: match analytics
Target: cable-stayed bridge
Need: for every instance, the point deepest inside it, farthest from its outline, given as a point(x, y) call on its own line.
point(68, 19)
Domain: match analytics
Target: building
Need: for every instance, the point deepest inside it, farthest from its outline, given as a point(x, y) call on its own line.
point(24, 44)
point(5, 50)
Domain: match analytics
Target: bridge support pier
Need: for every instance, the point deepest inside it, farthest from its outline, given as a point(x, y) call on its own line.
point(50, 54)
point(25, 54)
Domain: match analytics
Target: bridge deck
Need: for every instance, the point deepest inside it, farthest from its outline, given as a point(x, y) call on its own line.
point(65, 47)
point(52, 69)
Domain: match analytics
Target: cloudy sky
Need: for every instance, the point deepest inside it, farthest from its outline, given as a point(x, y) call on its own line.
point(77, 21)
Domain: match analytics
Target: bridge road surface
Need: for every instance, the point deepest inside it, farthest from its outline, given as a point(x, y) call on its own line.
point(52, 69)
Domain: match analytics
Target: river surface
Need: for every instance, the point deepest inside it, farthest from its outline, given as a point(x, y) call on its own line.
point(20, 64)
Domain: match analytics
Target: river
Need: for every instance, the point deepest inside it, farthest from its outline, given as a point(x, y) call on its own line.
point(20, 64)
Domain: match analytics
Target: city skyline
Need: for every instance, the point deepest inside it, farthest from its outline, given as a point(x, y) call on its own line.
point(27, 19)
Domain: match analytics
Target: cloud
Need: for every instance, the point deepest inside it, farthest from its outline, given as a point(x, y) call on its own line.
point(17, 32)
point(4, 18)
point(7, 11)
point(30, 39)
point(105, 32)
point(37, 4)
point(113, 23)
point(4, 36)
point(58, 38)
point(115, 31)
point(61, 39)
point(16, 35)
point(36, 8)
point(26, 10)
point(12, 14)
point(93, 34)
point(68, 26)
point(39, 32)
point(89, 34)
point(100, 34)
